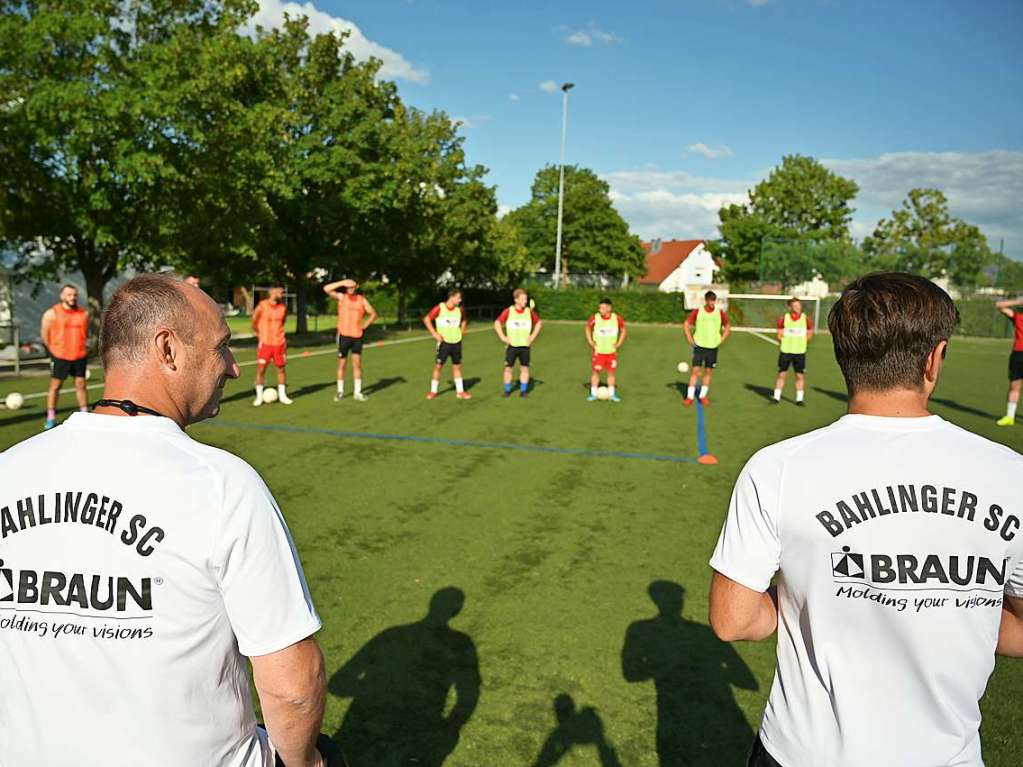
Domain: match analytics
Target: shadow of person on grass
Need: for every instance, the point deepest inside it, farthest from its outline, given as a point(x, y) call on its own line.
point(581, 727)
point(698, 720)
point(383, 383)
point(399, 684)
point(764, 391)
point(468, 383)
point(838, 396)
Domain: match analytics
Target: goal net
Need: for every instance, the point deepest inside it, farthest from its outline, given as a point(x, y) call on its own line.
point(759, 313)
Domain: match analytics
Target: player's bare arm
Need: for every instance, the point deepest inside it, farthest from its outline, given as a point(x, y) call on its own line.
point(1008, 307)
point(255, 320)
point(500, 332)
point(535, 333)
point(727, 329)
point(371, 314)
point(1010, 632)
point(292, 689)
point(621, 338)
point(738, 612)
point(428, 321)
point(589, 337)
point(44, 327)
point(688, 330)
point(332, 288)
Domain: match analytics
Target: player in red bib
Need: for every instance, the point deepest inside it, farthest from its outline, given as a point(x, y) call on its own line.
point(1009, 309)
point(268, 322)
point(605, 332)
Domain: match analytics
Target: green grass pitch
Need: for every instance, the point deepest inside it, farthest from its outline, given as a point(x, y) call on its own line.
point(552, 547)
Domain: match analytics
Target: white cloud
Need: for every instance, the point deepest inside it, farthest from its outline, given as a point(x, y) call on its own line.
point(271, 15)
point(503, 210)
point(549, 86)
point(589, 35)
point(984, 188)
point(514, 97)
point(711, 152)
point(475, 121)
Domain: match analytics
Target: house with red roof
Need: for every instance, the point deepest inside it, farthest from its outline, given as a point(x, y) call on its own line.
point(672, 265)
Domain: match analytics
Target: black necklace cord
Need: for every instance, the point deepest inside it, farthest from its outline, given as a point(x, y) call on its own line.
point(129, 407)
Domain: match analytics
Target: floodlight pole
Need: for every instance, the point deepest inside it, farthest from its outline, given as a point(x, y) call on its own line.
point(565, 88)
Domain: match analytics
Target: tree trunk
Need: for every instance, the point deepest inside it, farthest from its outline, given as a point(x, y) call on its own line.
point(96, 280)
point(301, 305)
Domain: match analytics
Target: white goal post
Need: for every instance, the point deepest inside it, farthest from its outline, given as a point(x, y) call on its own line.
point(764, 318)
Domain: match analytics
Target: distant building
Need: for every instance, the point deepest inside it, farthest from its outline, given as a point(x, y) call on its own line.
point(674, 265)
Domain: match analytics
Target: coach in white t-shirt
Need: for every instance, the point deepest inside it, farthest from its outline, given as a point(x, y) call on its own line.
point(140, 567)
point(896, 540)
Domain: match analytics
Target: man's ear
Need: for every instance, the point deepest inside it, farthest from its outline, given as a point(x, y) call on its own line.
point(934, 361)
point(166, 344)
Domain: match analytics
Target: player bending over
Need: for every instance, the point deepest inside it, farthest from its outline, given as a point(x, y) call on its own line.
point(706, 329)
point(605, 332)
point(446, 323)
point(795, 330)
point(352, 308)
point(517, 327)
point(64, 330)
point(1008, 308)
point(268, 322)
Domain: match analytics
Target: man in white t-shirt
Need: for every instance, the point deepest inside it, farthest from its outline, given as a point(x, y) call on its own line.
point(140, 568)
point(895, 537)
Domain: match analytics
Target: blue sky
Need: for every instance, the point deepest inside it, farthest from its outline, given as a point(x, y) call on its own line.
point(683, 105)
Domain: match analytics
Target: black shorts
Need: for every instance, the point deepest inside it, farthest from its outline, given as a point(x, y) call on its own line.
point(758, 756)
point(1015, 366)
point(706, 357)
point(346, 344)
point(520, 353)
point(790, 359)
point(447, 351)
point(61, 369)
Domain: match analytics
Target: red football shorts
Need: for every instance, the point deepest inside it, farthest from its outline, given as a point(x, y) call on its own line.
point(266, 354)
point(605, 362)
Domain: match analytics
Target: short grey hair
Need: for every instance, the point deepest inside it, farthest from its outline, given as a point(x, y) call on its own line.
point(136, 310)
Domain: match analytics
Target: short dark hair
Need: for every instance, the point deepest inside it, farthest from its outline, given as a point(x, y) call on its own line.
point(454, 292)
point(884, 327)
point(710, 294)
point(606, 300)
point(67, 285)
point(793, 300)
point(518, 292)
point(136, 309)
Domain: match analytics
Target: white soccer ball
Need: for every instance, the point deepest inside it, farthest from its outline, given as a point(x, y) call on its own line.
point(269, 396)
point(14, 401)
point(603, 392)
point(683, 367)
point(88, 373)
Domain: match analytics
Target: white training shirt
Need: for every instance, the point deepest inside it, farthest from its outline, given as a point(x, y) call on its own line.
point(139, 567)
point(893, 539)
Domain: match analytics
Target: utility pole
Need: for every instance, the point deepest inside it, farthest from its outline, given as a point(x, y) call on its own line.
point(565, 88)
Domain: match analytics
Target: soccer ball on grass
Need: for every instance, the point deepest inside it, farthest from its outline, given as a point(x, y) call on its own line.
point(269, 396)
point(683, 367)
point(603, 393)
point(14, 401)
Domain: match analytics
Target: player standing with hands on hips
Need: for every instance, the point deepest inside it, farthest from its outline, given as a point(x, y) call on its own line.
point(268, 322)
point(517, 327)
point(1009, 309)
point(706, 329)
point(605, 333)
point(795, 329)
point(446, 323)
point(352, 308)
point(896, 540)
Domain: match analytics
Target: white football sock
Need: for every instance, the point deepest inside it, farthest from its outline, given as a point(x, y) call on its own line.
point(611, 391)
point(692, 392)
point(777, 393)
point(282, 389)
point(799, 395)
point(358, 386)
point(704, 392)
point(593, 391)
point(340, 386)
point(259, 391)
point(434, 385)
point(459, 385)
point(1011, 410)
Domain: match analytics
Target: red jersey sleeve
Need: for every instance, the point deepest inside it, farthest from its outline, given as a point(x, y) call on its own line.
point(536, 317)
point(621, 322)
point(503, 316)
point(691, 319)
point(434, 312)
point(591, 321)
point(724, 318)
point(781, 322)
point(809, 322)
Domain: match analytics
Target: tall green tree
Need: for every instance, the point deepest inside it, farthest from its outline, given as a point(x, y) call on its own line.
point(924, 238)
point(88, 151)
point(800, 200)
point(595, 238)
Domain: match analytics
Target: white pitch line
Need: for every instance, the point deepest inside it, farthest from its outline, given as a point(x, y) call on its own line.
point(332, 350)
point(765, 338)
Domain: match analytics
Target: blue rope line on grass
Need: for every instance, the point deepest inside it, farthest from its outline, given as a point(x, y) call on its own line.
point(701, 433)
point(455, 442)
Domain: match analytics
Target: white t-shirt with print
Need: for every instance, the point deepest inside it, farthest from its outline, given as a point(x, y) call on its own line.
point(138, 568)
point(893, 540)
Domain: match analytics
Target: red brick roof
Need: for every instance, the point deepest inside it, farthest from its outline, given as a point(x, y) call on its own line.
point(666, 260)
